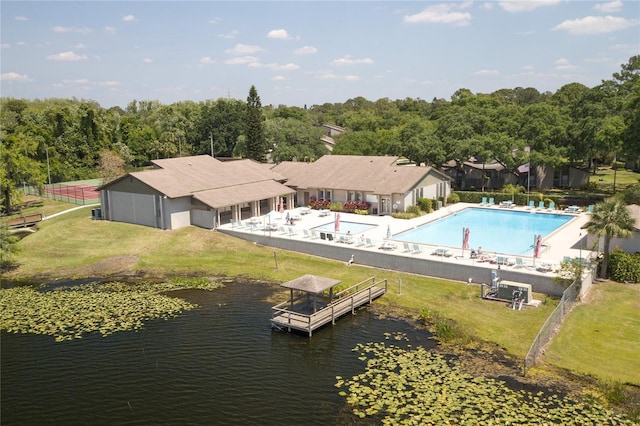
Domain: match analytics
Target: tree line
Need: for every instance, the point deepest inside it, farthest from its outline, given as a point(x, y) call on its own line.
point(70, 139)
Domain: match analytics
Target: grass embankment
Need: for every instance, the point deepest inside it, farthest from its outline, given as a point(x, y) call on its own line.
point(602, 336)
point(74, 246)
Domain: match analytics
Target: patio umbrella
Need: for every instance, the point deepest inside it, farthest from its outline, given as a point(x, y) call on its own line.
point(388, 231)
point(281, 208)
point(337, 222)
point(465, 239)
point(536, 247)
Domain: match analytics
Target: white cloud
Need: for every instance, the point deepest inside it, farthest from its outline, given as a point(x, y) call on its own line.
point(275, 67)
point(110, 30)
point(525, 5)
point(596, 25)
point(5, 45)
point(230, 35)
point(241, 60)
point(76, 82)
point(215, 20)
point(129, 18)
point(285, 67)
point(279, 78)
point(80, 46)
point(305, 50)
point(486, 72)
point(109, 83)
point(14, 76)
point(244, 49)
point(280, 34)
point(444, 13)
point(61, 30)
point(206, 60)
point(328, 75)
point(608, 7)
point(21, 18)
point(67, 56)
point(147, 60)
point(348, 60)
point(563, 64)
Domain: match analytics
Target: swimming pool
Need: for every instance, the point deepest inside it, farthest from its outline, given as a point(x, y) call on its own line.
point(495, 230)
point(345, 226)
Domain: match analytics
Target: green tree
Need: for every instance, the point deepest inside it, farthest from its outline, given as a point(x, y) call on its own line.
point(610, 219)
point(290, 139)
point(255, 147)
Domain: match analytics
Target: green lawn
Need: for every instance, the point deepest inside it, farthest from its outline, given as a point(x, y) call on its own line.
point(605, 177)
point(602, 336)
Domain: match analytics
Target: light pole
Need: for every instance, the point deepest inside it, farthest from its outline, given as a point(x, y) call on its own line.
point(580, 249)
point(48, 166)
point(211, 138)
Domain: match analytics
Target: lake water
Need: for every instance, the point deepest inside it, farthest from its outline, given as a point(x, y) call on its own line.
point(219, 364)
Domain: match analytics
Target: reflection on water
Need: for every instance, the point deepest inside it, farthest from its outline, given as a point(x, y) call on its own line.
point(219, 364)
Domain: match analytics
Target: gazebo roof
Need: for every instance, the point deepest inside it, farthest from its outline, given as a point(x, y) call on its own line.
point(311, 283)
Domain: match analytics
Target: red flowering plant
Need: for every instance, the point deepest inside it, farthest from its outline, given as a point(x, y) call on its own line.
point(352, 206)
point(319, 204)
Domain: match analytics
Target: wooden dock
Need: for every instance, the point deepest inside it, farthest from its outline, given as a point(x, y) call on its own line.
point(307, 318)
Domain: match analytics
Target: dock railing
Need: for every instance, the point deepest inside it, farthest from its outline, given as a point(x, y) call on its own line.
point(342, 302)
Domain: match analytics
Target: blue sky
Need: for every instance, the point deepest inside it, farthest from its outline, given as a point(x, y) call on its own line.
point(308, 52)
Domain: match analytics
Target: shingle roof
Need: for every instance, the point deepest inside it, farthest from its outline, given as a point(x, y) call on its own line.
point(232, 195)
point(183, 176)
point(375, 174)
point(311, 283)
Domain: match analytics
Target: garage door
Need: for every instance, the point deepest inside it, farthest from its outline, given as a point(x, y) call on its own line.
point(139, 209)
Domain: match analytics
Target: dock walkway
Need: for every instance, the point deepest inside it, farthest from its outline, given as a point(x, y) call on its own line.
point(284, 316)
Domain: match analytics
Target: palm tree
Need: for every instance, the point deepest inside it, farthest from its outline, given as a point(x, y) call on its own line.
point(610, 219)
point(512, 190)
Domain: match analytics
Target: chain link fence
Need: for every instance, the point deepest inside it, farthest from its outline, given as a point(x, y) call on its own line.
point(78, 192)
point(569, 298)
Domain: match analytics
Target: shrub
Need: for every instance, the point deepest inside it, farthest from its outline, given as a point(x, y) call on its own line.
point(425, 204)
point(453, 198)
point(624, 267)
point(632, 194)
point(414, 210)
point(336, 207)
point(404, 215)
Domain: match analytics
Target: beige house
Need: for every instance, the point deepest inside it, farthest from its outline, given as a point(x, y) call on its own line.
point(376, 180)
point(628, 245)
point(197, 190)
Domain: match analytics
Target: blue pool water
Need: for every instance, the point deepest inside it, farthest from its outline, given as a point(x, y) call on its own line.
point(495, 230)
point(345, 226)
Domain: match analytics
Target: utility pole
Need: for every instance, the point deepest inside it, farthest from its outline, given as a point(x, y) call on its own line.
point(48, 166)
point(211, 137)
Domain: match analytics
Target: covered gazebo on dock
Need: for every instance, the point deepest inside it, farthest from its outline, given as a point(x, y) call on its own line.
point(313, 302)
point(313, 293)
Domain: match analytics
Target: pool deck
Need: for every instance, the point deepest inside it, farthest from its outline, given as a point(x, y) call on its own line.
point(454, 264)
